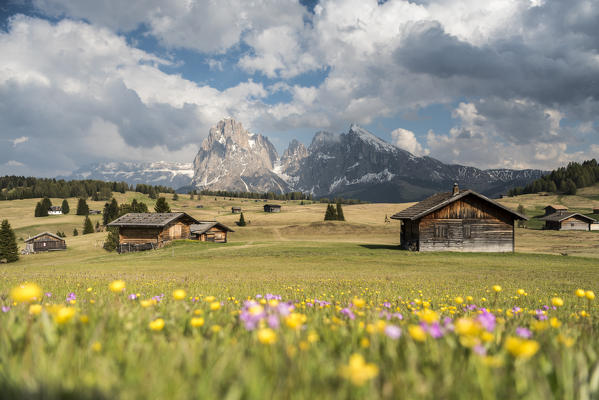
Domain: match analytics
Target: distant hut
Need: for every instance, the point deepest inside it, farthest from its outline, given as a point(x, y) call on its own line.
point(564, 221)
point(460, 220)
point(55, 210)
point(145, 231)
point(272, 208)
point(44, 242)
point(95, 212)
point(555, 208)
point(236, 210)
point(595, 210)
point(210, 231)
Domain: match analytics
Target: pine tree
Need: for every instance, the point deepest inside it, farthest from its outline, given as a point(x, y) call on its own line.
point(521, 211)
point(152, 193)
point(87, 226)
point(46, 204)
point(340, 216)
point(38, 209)
point(241, 221)
point(65, 207)
point(111, 212)
point(75, 232)
point(162, 206)
point(82, 207)
point(331, 213)
point(97, 226)
point(191, 195)
point(570, 187)
point(9, 250)
point(175, 197)
point(112, 239)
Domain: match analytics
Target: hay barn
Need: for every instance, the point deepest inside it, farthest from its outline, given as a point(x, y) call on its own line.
point(45, 241)
point(555, 208)
point(236, 210)
point(272, 208)
point(460, 220)
point(568, 222)
point(55, 210)
point(210, 231)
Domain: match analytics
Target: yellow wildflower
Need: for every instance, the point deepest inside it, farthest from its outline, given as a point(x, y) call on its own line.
point(554, 322)
point(417, 333)
point(497, 288)
point(520, 292)
point(88, 290)
point(565, 340)
point(295, 320)
point(589, 294)
point(26, 293)
point(358, 371)
point(313, 337)
point(216, 328)
point(157, 324)
point(365, 342)
point(196, 322)
point(97, 347)
point(459, 300)
point(209, 299)
point(179, 294)
point(35, 309)
point(267, 336)
point(358, 302)
point(557, 302)
point(215, 305)
point(580, 293)
point(521, 348)
point(84, 319)
point(428, 316)
point(64, 315)
point(117, 286)
point(147, 303)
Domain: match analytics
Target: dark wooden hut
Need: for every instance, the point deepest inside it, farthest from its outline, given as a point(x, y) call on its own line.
point(555, 208)
point(595, 210)
point(272, 208)
point(44, 242)
point(561, 221)
point(144, 231)
point(210, 231)
point(236, 210)
point(460, 220)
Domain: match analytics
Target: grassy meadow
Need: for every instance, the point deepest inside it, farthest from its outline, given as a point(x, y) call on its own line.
point(293, 307)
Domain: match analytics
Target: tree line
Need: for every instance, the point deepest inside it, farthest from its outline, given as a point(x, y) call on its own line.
point(563, 180)
point(255, 195)
point(19, 187)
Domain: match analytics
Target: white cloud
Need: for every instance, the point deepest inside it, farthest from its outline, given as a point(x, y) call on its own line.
point(406, 140)
point(19, 140)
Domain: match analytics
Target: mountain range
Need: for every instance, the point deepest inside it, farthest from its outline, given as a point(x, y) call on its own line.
point(356, 164)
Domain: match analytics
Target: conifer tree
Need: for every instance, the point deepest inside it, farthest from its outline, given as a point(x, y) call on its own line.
point(112, 239)
point(175, 197)
point(46, 204)
point(9, 250)
point(82, 207)
point(38, 209)
point(75, 232)
point(331, 213)
point(340, 216)
point(241, 221)
point(87, 226)
point(162, 206)
point(111, 212)
point(191, 195)
point(65, 207)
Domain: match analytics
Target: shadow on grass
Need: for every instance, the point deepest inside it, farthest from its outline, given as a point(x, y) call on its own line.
point(381, 246)
point(9, 391)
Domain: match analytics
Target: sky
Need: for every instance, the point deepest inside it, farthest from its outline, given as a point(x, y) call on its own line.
point(491, 84)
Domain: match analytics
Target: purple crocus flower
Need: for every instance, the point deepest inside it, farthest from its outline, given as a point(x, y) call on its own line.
point(397, 315)
point(480, 350)
point(258, 296)
point(523, 332)
point(273, 321)
point(348, 313)
point(132, 296)
point(5, 309)
point(516, 310)
point(284, 309)
point(48, 294)
point(158, 298)
point(272, 296)
point(487, 320)
point(540, 315)
point(434, 330)
point(392, 331)
point(71, 296)
point(471, 307)
point(387, 304)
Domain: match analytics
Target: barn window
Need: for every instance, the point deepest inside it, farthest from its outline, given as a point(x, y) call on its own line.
point(440, 231)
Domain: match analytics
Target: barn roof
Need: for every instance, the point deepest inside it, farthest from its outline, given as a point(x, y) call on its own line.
point(559, 217)
point(440, 200)
point(43, 234)
point(557, 207)
point(156, 220)
point(272, 205)
point(203, 226)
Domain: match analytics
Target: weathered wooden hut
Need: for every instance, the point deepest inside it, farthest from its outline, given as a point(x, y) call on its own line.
point(555, 208)
point(210, 231)
point(595, 210)
point(564, 221)
point(145, 231)
point(272, 208)
point(460, 220)
point(236, 210)
point(45, 241)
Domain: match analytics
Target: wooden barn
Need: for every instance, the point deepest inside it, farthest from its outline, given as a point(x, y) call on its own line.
point(44, 242)
point(145, 231)
point(595, 210)
point(272, 208)
point(236, 210)
point(568, 222)
point(460, 220)
point(555, 208)
point(210, 231)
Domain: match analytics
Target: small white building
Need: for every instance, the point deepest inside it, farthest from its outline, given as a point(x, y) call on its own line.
point(55, 210)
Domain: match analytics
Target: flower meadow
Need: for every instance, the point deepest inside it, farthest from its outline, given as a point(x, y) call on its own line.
point(116, 339)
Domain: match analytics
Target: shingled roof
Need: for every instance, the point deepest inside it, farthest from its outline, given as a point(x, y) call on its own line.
point(557, 207)
point(440, 200)
point(154, 220)
point(42, 234)
point(558, 217)
point(203, 226)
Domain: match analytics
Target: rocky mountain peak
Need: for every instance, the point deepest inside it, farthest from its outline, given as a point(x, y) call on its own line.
point(291, 159)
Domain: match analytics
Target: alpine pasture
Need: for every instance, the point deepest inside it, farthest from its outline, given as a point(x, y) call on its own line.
point(295, 307)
